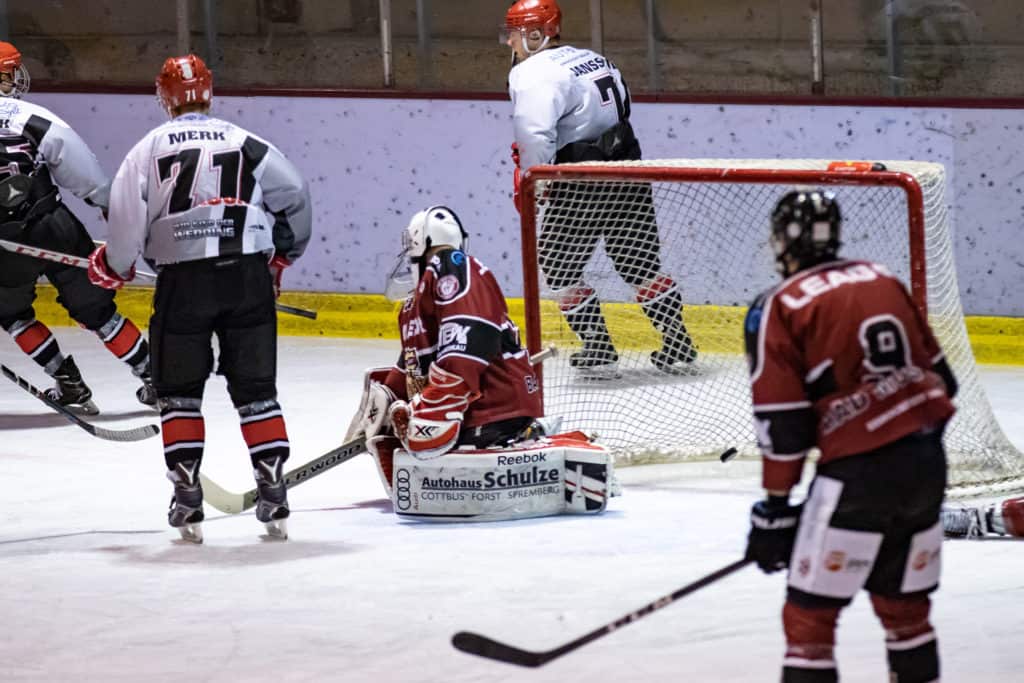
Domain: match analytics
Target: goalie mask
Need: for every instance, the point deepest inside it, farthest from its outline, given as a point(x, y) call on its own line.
point(805, 230)
point(183, 80)
point(14, 80)
point(433, 227)
point(531, 19)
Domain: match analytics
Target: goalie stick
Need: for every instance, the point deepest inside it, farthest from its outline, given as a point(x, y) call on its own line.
point(233, 503)
point(82, 262)
point(482, 646)
point(136, 434)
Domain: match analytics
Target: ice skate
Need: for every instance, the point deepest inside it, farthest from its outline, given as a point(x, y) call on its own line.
point(597, 360)
point(70, 391)
point(186, 511)
point(272, 497)
point(964, 522)
point(146, 393)
point(676, 355)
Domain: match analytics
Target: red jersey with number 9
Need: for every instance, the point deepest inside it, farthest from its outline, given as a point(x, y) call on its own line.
point(840, 358)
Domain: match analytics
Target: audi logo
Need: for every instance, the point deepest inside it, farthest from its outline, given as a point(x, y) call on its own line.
point(403, 497)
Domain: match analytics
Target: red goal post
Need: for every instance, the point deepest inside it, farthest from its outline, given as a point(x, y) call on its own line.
point(712, 218)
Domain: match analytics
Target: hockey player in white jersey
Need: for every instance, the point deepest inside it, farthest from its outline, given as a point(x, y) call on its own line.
point(220, 213)
point(572, 105)
point(40, 153)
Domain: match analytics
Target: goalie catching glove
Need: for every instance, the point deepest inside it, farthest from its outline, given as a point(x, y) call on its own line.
point(429, 425)
point(370, 419)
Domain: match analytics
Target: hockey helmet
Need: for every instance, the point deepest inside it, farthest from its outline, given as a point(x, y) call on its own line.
point(183, 80)
point(435, 226)
point(526, 16)
point(15, 80)
point(805, 228)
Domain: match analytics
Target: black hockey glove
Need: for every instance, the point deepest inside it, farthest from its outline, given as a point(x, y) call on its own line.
point(773, 523)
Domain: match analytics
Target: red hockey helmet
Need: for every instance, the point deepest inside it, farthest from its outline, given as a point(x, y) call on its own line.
point(183, 80)
point(544, 15)
point(14, 80)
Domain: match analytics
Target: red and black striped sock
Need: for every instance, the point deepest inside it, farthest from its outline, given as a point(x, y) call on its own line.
point(183, 429)
point(264, 430)
point(36, 340)
point(123, 339)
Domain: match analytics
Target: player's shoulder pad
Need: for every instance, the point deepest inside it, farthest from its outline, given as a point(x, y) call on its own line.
point(451, 274)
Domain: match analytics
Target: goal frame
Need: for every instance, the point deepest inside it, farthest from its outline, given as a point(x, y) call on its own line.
point(723, 175)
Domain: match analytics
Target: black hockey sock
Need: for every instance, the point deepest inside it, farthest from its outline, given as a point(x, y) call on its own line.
point(795, 674)
point(663, 305)
point(915, 665)
point(582, 311)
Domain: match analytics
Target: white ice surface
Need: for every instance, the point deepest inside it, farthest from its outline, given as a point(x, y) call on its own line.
point(93, 586)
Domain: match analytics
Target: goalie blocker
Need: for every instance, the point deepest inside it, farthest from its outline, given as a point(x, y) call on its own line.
point(565, 473)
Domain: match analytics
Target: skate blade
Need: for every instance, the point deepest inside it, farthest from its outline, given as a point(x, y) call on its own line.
point(192, 533)
point(277, 529)
point(87, 408)
point(600, 372)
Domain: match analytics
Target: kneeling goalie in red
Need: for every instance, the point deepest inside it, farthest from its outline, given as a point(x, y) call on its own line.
point(464, 389)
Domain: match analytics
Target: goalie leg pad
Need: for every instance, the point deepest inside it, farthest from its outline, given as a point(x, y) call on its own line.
point(548, 477)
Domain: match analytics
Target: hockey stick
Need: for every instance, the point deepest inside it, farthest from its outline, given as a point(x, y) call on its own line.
point(82, 262)
point(226, 501)
point(233, 503)
point(482, 646)
point(136, 434)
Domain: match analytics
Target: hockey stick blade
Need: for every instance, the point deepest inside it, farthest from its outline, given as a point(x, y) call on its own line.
point(482, 646)
point(221, 499)
point(136, 434)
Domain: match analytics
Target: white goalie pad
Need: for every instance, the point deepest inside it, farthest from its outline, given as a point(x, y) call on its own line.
point(373, 405)
point(561, 474)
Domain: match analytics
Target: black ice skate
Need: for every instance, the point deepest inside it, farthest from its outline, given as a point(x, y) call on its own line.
point(146, 393)
point(597, 359)
point(186, 512)
point(70, 391)
point(272, 497)
point(676, 355)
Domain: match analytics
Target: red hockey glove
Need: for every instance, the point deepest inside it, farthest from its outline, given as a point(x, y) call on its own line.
point(100, 273)
point(430, 423)
point(517, 177)
point(277, 266)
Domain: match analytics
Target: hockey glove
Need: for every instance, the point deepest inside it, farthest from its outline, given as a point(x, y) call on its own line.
point(277, 266)
point(517, 177)
point(101, 274)
point(773, 524)
point(430, 423)
point(372, 421)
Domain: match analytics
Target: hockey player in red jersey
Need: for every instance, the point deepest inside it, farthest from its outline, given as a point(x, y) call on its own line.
point(463, 388)
point(1002, 518)
point(220, 212)
point(841, 359)
point(572, 105)
point(41, 153)
point(463, 377)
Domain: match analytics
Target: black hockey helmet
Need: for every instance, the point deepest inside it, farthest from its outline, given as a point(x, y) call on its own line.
point(805, 227)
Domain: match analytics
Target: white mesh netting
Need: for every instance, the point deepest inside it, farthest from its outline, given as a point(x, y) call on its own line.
point(713, 242)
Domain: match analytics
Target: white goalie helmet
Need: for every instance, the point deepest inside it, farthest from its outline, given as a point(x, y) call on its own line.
point(435, 226)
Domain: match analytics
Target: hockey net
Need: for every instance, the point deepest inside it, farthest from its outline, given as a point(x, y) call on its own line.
point(712, 218)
